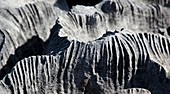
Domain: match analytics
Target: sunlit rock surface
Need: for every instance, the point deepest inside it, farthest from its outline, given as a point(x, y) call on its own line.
point(85, 47)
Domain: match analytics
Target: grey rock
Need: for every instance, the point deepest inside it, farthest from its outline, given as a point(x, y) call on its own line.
point(135, 91)
point(22, 24)
point(107, 65)
point(95, 47)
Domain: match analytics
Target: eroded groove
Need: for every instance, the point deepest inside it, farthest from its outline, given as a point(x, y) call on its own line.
point(77, 58)
point(120, 49)
point(27, 26)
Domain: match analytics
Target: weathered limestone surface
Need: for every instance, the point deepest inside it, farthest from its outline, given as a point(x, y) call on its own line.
point(85, 47)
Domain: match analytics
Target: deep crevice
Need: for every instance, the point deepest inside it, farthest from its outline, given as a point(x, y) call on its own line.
point(33, 46)
point(168, 31)
point(82, 2)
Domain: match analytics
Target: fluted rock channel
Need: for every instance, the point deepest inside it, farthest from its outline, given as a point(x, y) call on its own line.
point(85, 47)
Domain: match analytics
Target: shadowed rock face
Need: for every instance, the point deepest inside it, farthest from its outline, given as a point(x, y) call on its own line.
point(85, 47)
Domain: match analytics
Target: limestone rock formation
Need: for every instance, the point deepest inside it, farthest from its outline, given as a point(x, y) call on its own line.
point(85, 47)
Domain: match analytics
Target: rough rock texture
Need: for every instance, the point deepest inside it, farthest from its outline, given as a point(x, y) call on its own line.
point(85, 47)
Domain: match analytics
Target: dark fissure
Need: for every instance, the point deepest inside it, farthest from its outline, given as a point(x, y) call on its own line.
point(82, 2)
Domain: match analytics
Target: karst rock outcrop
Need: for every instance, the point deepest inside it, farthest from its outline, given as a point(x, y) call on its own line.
point(85, 47)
